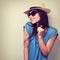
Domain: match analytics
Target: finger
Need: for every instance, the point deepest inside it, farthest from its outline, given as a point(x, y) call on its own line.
point(40, 29)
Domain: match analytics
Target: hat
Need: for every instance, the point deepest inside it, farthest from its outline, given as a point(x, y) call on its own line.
point(38, 5)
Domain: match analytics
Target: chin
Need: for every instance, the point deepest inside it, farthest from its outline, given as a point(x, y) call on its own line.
point(33, 22)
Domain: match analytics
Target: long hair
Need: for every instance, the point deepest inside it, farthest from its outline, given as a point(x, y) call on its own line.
point(43, 21)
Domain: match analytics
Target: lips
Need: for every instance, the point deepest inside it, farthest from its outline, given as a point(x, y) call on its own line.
point(32, 19)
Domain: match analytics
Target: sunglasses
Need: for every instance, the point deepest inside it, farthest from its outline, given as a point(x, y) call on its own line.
point(33, 13)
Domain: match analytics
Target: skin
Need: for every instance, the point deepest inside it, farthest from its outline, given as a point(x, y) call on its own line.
point(45, 48)
point(26, 42)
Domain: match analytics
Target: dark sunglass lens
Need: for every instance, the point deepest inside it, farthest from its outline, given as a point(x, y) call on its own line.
point(28, 14)
point(33, 13)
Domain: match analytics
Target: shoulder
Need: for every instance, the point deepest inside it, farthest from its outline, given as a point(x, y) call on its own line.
point(28, 27)
point(29, 24)
point(52, 29)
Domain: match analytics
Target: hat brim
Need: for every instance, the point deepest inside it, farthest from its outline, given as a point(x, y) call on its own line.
point(44, 9)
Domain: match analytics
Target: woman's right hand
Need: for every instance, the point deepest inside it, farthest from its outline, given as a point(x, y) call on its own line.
point(40, 31)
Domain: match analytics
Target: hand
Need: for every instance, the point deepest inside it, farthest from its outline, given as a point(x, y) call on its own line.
point(40, 31)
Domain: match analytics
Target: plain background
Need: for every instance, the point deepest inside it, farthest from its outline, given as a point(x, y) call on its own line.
point(12, 20)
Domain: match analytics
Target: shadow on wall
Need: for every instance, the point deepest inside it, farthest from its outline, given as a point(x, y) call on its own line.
point(54, 55)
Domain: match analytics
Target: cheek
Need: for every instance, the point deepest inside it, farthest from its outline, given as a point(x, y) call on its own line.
point(36, 20)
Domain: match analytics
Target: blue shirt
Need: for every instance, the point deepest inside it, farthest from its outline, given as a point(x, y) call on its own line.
point(34, 52)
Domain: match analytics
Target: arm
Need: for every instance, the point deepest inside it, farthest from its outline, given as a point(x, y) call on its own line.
point(48, 47)
point(26, 45)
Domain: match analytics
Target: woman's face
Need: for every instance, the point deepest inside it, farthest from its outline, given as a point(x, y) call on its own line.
point(34, 16)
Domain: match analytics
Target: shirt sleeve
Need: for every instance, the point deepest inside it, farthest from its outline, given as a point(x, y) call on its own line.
point(28, 27)
point(53, 32)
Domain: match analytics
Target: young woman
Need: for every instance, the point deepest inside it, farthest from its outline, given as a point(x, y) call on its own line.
point(39, 37)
